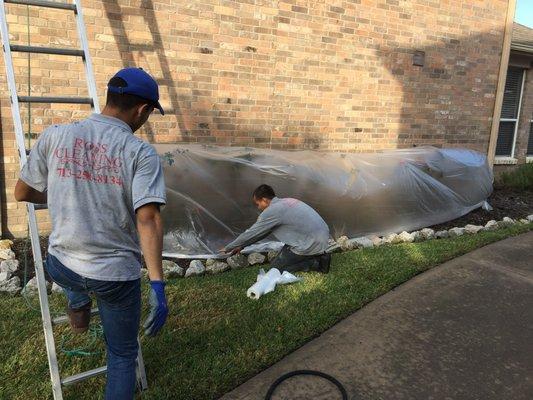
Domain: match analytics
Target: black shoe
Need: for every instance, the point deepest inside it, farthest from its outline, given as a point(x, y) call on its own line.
point(324, 262)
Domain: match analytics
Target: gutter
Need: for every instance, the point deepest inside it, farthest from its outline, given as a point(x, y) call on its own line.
point(522, 47)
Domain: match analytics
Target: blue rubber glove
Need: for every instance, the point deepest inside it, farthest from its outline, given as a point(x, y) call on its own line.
point(158, 309)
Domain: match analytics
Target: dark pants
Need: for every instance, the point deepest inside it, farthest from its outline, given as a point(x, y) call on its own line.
point(119, 306)
point(286, 260)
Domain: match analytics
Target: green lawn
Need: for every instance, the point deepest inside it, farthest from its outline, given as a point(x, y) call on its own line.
point(216, 337)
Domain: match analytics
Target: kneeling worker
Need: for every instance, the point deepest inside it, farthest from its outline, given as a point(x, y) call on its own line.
point(297, 225)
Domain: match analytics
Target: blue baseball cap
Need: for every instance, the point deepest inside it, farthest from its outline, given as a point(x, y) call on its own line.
point(138, 83)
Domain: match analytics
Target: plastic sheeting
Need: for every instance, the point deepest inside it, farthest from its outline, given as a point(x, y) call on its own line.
point(209, 190)
point(267, 282)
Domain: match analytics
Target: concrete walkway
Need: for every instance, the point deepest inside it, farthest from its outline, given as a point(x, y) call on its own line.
point(463, 330)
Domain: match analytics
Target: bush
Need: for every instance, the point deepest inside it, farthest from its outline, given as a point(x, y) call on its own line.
point(521, 178)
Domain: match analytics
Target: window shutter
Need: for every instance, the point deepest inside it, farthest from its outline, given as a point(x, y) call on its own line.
point(504, 145)
point(511, 96)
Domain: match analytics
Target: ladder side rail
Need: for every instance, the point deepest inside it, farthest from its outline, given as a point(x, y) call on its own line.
point(10, 76)
point(87, 61)
point(140, 370)
point(32, 221)
point(45, 307)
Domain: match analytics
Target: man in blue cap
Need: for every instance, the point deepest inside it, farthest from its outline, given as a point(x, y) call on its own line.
point(104, 187)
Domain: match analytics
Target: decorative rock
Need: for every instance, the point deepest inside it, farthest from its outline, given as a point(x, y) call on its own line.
point(237, 261)
point(7, 254)
point(6, 244)
point(31, 286)
point(472, 229)
point(424, 234)
point(345, 244)
point(506, 222)
point(530, 218)
point(361, 242)
point(11, 286)
point(168, 264)
point(404, 237)
point(376, 240)
point(427, 234)
point(56, 288)
point(216, 267)
point(196, 267)
point(389, 238)
point(442, 234)
point(9, 265)
point(456, 232)
point(5, 276)
point(272, 254)
point(175, 272)
point(172, 270)
point(256, 258)
point(491, 225)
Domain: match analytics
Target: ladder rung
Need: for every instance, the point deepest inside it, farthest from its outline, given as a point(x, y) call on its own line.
point(64, 100)
point(69, 380)
point(44, 3)
point(47, 50)
point(40, 206)
point(64, 318)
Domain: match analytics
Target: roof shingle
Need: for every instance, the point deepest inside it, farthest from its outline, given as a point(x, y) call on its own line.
point(522, 35)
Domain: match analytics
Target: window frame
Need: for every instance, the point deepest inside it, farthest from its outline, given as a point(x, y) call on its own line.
point(515, 120)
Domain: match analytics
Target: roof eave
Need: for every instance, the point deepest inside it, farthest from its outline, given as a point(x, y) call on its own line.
point(522, 47)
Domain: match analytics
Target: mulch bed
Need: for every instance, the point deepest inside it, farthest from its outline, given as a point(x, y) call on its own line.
point(505, 203)
point(22, 249)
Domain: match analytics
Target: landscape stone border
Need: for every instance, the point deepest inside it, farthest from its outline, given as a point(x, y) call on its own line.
point(11, 284)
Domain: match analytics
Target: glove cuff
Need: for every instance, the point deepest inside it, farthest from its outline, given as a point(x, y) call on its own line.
point(157, 284)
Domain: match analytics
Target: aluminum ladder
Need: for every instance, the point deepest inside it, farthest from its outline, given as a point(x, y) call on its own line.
point(48, 322)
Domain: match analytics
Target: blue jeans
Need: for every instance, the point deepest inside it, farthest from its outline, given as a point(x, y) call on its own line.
point(119, 305)
point(286, 260)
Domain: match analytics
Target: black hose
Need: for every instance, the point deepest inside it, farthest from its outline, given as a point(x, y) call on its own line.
point(305, 372)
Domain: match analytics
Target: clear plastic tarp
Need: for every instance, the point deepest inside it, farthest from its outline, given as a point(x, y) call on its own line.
point(209, 190)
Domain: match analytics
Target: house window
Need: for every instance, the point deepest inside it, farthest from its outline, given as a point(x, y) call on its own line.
point(512, 98)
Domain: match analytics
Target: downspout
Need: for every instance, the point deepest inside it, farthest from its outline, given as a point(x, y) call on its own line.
point(504, 63)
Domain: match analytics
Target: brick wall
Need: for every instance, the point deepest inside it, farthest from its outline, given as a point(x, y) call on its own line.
point(333, 75)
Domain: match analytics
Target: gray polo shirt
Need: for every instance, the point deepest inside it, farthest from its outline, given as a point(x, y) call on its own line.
point(97, 173)
point(292, 222)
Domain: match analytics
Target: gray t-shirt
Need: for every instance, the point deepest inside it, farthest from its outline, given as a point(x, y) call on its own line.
point(97, 173)
point(292, 222)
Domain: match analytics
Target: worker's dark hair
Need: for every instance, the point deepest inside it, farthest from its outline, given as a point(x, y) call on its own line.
point(125, 101)
point(264, 192)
